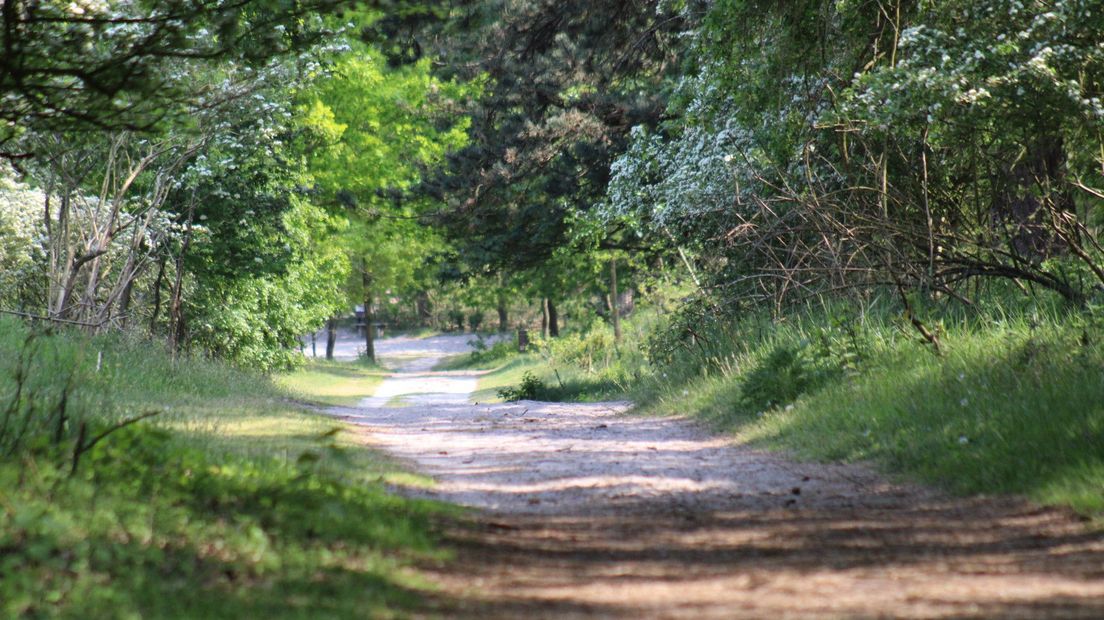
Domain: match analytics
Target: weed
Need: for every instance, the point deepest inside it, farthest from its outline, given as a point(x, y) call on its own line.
point(484, 352)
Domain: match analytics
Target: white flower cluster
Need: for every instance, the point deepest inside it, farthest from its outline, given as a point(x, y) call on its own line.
point(714, 164)
point(1010, 50)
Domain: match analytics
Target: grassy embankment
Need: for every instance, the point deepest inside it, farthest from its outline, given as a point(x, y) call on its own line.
point(234, 501)
point(576, 378)
point(1014, 404)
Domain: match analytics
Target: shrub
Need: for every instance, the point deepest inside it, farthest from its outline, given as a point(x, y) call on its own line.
point(483, 352)
point(47, 394)
point(786, 373)
point(22, 256)
point(475, 320)
point(586, 350)
point(456, 318)
point(529, 389)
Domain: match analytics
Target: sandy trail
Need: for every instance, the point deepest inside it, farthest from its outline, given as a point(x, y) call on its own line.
point(586, 511)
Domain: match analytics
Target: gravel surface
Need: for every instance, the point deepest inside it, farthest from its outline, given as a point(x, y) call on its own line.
point(533, 457)
point(588, 511)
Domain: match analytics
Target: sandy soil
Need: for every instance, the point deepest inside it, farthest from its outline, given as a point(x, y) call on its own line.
point(584, 510)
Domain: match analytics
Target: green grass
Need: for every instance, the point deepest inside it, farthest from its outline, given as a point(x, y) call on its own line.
point(465, 361)
point(1015, 405)
point(333, 383)
point(234, 502)
point(553, 362)
point(1005, 411)
point(485, 356)
point(501, 366)
point(504, 375)
point(560, 382)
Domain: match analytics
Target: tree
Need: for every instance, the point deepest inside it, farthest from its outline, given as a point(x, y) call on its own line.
point(198, 230)
point(254, 253)
point(117, 65)
point(822, 147)
point(565, 82)
point(385, 126)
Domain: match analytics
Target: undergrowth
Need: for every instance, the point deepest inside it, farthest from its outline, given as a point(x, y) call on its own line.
point(530, 388)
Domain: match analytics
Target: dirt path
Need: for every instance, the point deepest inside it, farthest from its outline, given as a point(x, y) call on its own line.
point(585, 511)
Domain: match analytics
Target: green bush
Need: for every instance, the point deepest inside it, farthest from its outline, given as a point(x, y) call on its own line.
point(530, 388)
point(483, 353)
point(1013, 404)
point(590, 350)
point(475, 320)
point(785, 373)
point(456, 317)
point(22, 258)
point(50, 396)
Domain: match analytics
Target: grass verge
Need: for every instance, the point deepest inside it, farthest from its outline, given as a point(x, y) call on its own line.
point(333, 383)
point(1013, 405)
point(233, 502)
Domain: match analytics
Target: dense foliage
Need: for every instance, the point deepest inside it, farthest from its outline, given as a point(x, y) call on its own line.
point(826, 147)
point(236, 180)
point(226, 188)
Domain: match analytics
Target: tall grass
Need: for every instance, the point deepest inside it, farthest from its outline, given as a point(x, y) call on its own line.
point(1013, 404)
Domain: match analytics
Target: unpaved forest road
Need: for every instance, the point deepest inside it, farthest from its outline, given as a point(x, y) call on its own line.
point(588, 512)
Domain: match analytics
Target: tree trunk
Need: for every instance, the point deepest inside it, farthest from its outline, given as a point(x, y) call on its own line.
point(1031, 190)
point(501, 305)
point(87, 303)
point(553, 320)
point(177, 329)
point(369, 328)
point(615, 309)
point(61, 255)
point(544, 317)
point(422, 308)
point(157, 294)
point(134, 266)
point(331, 337)
point(176, 310)
point(503, 316)
point(124, 302)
